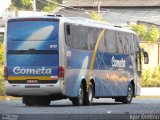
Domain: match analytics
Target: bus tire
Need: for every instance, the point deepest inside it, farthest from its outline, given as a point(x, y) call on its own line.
point(42, 101)
point(28, 101)
point(128, 98)
point(37, 101)
point(88, 99)
point(79, 100)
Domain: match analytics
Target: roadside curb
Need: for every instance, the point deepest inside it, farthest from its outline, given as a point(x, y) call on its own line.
point(146, 97)
point(150, 91)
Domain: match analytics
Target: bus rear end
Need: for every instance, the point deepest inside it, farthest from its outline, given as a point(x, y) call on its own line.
point(32, 57)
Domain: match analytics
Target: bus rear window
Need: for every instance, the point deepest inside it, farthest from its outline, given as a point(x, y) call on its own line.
point(32, 30)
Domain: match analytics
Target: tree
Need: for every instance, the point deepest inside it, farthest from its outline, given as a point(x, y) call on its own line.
point(48, 5)
point(148, 34)
point(1, 68)
point(152, 35)
point(141, 30)
point(1, 58)
point(41, 5)
point(95, 16)
point(22, 4)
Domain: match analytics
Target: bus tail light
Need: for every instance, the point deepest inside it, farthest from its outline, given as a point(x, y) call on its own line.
point(60, 72)
point(5, 73)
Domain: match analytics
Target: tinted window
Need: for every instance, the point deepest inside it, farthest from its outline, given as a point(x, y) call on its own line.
point(78, 37)
point(120, 43)
point(129, 38)
point(110, 41)
point(92, 37)
point(136, 43)
point(32, 30)
point(68, 36)
point(102, 45)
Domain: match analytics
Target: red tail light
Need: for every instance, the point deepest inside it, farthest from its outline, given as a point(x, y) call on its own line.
point(5, 73)
point(60, 72)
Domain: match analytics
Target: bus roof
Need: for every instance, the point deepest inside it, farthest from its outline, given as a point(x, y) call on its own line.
point(85, 22)
point(93, 23)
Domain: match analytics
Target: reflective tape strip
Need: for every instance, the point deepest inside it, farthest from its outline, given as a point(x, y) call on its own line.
point(32, 78)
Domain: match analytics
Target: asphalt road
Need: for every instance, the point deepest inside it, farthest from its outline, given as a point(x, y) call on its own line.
point(101, 109)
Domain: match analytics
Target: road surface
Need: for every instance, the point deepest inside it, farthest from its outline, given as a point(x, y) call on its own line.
point(101, 108)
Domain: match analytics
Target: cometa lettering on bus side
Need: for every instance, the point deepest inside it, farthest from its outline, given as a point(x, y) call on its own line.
point(118, 63)
point(43, 70)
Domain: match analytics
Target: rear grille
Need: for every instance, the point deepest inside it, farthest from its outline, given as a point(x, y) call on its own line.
point(38, 82)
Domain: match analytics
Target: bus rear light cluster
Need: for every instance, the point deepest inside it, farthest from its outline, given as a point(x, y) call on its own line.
point(60, 72)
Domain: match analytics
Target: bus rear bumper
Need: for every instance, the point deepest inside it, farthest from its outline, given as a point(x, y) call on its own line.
point(20, 90)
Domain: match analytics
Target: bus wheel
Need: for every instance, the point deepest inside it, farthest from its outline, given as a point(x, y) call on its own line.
point(78, 101)
point(43, 101)
point(128, 98)
point(88, 100)
point(38, 101)
point(28, 101)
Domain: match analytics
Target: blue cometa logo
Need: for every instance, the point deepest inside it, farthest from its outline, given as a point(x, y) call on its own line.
point(43, 70)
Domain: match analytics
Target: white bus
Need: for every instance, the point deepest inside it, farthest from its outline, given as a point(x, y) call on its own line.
point(50, 58)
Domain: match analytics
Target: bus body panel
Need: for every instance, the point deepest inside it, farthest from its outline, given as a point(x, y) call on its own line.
point(110, 80)
point(33, 89)
point(77, 70)
point(112, 72)
point(32, 56)
point(116, 79)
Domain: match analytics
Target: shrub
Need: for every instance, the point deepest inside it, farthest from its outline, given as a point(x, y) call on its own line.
point(1, 69)
point(151, 77)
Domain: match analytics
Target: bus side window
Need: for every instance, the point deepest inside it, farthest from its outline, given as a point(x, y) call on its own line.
point(102, 44)
point(129, 37)
point(68, 35)
point(126, 43)
point(92, 37)
point(68, 29)
point(119, 46)
point(110, 41)
point(82, 37)
point(76, 36)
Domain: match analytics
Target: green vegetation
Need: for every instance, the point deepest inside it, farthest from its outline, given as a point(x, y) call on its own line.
point(1, 69)
point(95, 16)
point(47, 5)
point(22, 4)
point(41, 5)
point(150, 35)
point(151, 77)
